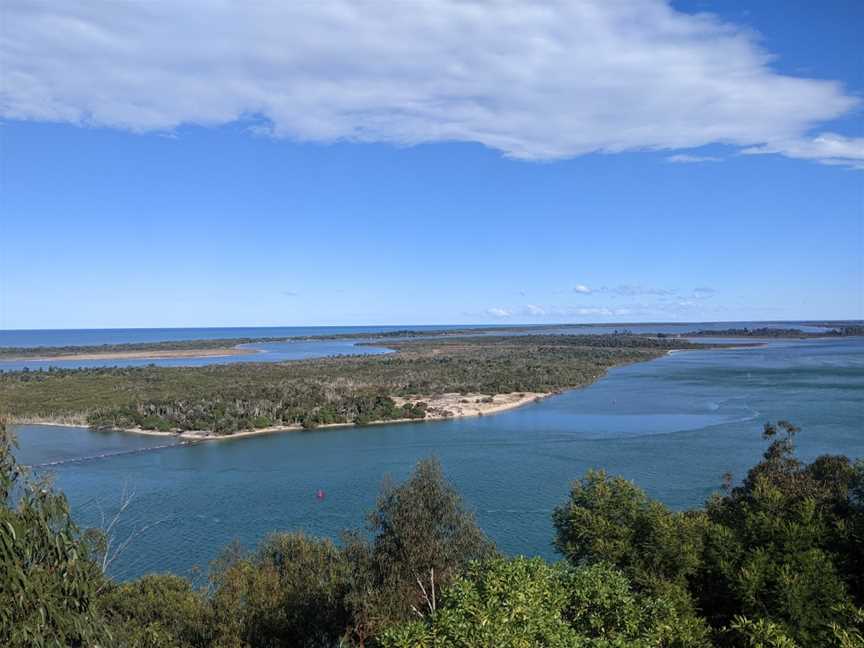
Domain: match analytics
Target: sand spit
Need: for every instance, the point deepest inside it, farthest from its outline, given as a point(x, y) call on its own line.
point(141, 355)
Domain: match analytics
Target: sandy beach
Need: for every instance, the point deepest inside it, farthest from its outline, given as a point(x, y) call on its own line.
point(440, 407)
point(142, 355)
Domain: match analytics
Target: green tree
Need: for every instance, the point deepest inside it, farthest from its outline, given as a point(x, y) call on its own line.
point(610, 519)
point(289, 593)
point(423, 537)
point(157, 610)
point(527, 602)
point(48, 584)
point(783, 546)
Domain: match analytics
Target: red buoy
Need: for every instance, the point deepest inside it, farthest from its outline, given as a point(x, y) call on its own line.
point(319, 494)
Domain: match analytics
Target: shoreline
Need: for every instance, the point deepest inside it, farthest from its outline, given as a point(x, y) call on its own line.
point(500, 403)
point(506, 401)
point(139, 355)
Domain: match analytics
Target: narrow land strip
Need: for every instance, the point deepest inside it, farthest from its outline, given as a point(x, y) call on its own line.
point(424, 380)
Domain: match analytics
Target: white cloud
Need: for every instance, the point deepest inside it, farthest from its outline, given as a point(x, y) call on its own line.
point(536, 81)
point(683, 158)
point(582, 289)
point(499, 312)
point(533, 309)
point(703, 292)
point(827, 148)
point(635, 290)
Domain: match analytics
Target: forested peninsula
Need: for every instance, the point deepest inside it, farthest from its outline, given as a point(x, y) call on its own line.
point(219, 400)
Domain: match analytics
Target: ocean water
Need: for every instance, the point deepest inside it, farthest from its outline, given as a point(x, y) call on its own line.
point(673, 425)
point(266, 352)
point(88, 337)
point(288, 350)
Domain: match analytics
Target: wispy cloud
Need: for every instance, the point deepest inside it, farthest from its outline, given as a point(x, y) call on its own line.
point(703, 292)
point(634, 290)
point(684, 158)
point(290, 293)
point(827, 148)
point(645, 302)
point(536, 81)
point(582, 289)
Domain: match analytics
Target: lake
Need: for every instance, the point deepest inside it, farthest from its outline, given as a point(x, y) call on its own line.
point(674, 425)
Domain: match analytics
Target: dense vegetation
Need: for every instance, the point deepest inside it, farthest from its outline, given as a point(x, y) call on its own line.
point(775, 562)
point(348, 389)
point(768, 332)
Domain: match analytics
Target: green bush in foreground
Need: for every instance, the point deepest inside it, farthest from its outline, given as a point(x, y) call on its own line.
point(292, 591)
point(157, 610)
point(527, 602)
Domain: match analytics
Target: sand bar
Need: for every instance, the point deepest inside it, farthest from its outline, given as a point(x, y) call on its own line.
point(140, 355)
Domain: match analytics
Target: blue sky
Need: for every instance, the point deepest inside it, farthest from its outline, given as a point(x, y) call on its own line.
point(675, 168)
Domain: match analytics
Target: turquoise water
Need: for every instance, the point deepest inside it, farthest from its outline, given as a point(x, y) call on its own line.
point(673, 425)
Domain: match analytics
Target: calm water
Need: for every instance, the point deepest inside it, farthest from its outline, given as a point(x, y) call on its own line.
point(267, 352)
point(674, 425)
point(288, 350)
point(87, 337)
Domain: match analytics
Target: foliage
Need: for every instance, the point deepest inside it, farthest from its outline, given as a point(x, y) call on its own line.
point(835, 330)
point(155, 611)
point(291, 592)
point(609, 519)
point(758, 634)
point(781, 545)
point(422, 539)
point(48, 584)
point(527, 602)
point(775, 561)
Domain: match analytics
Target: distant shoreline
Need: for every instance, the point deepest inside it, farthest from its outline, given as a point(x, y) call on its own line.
point(139, 355)
point(233, 346)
